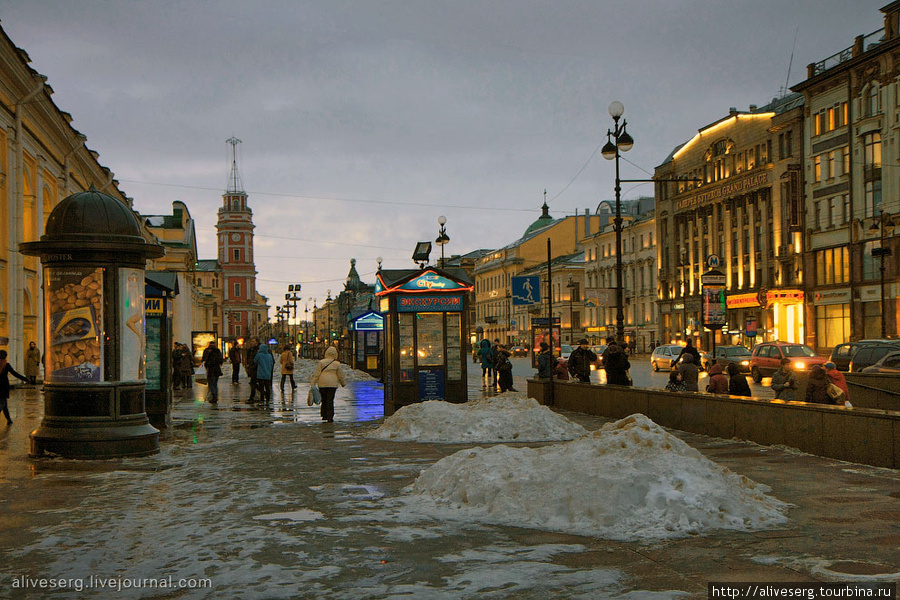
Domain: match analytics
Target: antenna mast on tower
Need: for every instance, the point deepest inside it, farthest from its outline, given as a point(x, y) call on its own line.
point(234, 180)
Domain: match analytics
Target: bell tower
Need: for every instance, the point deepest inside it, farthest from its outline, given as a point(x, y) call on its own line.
point(235, 236)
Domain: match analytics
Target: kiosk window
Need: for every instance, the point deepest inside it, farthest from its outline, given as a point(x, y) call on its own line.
point(407, 360)
point(454, 343)
point(430, 339)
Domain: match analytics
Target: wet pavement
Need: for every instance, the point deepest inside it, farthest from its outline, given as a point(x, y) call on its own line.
point(270, 502)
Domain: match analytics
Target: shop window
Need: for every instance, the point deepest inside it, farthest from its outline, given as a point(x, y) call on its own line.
point(832, 325)
point(872, 320)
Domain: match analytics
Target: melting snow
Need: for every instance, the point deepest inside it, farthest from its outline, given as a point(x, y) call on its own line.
point(631, 480)
point(509, 417)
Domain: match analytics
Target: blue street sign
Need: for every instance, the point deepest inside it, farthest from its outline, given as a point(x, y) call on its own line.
point(526, 290)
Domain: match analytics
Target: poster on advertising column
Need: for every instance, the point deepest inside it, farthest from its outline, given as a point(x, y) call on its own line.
point(74, 299)
point(713, 285)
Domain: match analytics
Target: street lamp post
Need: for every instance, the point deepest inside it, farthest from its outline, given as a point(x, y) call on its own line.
point(315, 329)
point(884, 221)
point(442, 237)
point(306, 327)
point(623, 143)
point(293, 298)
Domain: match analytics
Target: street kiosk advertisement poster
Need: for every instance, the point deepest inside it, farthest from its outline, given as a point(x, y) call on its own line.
point(713, 307)
point(131, 312)
point(430, 339)
point(431, 384)
point(74, 300)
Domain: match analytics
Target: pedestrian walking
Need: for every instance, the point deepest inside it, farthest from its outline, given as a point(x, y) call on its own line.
point(32, 363)
point(487, 360)
point(494, 359)
point(737, 382)
point(5, 371)
point(784, 381)
point(287, 367)
point(503, 366)
point(265, 365)
point(234, 357)
point(212, 360)
point(676, 382)
point(690, 373)
point(616, 364)
point(718, 381)
point(327, 376)
point(580, 362)
point(545, 362)
point(817, 386)
point(838, 379)
point(250, 366)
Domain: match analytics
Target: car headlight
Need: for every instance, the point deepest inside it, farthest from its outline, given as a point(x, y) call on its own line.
point(745, 363)
point(799, 365)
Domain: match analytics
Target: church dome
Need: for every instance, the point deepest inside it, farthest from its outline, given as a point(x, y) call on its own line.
point(542, 221)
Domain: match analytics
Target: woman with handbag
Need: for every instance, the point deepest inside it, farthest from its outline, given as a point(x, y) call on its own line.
point(327, 376)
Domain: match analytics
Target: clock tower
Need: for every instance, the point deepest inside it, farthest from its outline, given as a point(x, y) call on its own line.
point(235, 235)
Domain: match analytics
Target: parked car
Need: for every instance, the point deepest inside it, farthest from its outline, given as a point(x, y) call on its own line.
point(725, 355)
point(518, 351)
point(844, 353)
point(565, 350)
point(766, 358)
point(869, 354)
point(889, 363)
point(664, 356)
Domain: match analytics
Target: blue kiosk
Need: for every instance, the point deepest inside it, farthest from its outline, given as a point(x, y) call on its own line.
point(368, 340)
point(425, 332)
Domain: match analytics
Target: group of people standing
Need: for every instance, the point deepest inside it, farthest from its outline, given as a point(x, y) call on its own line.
point(614, 360)
point(496, 367)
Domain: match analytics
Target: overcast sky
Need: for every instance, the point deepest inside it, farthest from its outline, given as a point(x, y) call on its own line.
point(363, 121)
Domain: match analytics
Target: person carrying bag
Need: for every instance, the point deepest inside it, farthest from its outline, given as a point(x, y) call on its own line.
point(326, 378)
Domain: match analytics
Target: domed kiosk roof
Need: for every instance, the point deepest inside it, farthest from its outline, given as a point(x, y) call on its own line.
point(92, 223)
point(92, 213)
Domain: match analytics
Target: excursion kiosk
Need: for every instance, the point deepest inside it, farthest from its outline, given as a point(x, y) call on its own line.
point(367, 327)
point(425, 328)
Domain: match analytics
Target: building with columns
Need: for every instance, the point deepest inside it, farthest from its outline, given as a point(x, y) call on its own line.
point(45, 160)
point(243, 310)
point(744, 211)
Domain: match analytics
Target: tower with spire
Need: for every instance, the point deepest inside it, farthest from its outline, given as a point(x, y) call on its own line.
point(241, 310)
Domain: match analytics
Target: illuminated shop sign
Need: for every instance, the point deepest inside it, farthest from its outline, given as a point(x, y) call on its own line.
point(429, 304)
point(430, 281)
point(742, 301)
point(725, 190)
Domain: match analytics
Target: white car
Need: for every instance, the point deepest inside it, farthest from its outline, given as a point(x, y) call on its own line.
point(566, 350)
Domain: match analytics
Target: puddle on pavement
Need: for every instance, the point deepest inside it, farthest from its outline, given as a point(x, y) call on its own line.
point(851, 567)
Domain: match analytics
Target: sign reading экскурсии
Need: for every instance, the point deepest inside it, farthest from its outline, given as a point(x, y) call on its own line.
point(724, 190)
point(429, 303)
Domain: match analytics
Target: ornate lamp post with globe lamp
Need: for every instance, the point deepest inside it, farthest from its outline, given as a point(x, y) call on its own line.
point(442, 237)
point(623, 143)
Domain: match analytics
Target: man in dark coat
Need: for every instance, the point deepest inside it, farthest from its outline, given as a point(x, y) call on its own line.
point(250, 366)
point(688, 350)
point(580, 362)
point(545, 362)
point(212, 359)
point(616, 364)
point(234, 356)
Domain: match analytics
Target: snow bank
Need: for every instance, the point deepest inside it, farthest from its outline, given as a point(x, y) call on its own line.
point(631, 480)
point(305, 367)
point(508, 417)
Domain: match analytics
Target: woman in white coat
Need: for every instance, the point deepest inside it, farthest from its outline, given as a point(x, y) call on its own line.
point(328, 375)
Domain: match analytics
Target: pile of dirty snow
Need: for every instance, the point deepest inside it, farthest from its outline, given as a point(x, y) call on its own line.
point(508, 417)
point(631, 480)
point(305, 367)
